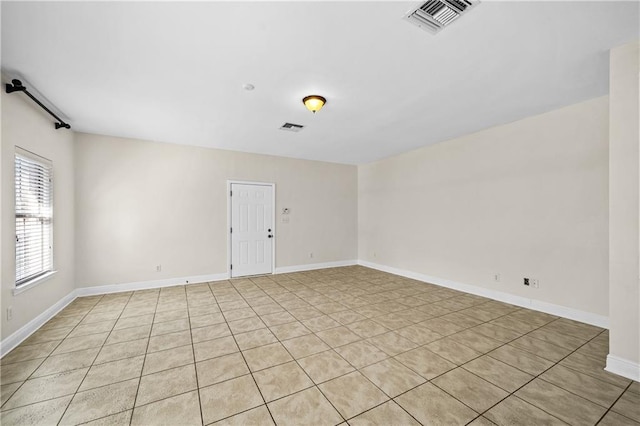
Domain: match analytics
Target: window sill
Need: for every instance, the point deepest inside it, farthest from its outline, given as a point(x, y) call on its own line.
point(33, 283)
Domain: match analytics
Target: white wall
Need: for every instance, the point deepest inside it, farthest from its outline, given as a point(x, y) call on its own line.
point(140, 204)
point(527, 199)
point(624, 211)
point(27, 126)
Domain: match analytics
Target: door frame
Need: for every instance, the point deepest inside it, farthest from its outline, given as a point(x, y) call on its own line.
point(273, 221)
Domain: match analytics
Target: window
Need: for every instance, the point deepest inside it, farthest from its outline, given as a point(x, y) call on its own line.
point(34, 213)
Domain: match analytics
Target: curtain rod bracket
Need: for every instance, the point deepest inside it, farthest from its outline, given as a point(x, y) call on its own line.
point(16, 86)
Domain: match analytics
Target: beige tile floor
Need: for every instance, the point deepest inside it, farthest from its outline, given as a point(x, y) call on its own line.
point(332, 346)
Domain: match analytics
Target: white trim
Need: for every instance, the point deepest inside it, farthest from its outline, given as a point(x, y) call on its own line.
point(273, 221)
point(145, 285)
point(623, 367)
point(536, 305)
point(313, 266)
point(29, 328)
point(33, 283)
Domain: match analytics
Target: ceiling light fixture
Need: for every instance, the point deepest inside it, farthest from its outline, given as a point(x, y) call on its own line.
point(314, 102)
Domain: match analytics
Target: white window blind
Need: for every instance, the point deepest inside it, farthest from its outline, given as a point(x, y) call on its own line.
point(34, 214)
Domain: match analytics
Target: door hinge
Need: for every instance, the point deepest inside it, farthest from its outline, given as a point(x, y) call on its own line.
point(230, 193)
point(231, 230)
point(232, 267)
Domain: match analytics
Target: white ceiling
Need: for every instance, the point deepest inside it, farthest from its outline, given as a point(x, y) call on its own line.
point(173, 72)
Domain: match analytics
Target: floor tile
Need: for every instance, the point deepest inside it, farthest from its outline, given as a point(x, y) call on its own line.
point(179, 314)
point(266, 356)
point(48, 387)
point(42, 413)
point(44, 335)
point(594, 390)
point(258, 416)
point(541, 348)
point(244, 325)
point(168, 341)
point(255, 338)
point(325, 366)
point(614, 419)
point(20, 371)
point(228, 398)
point(360, 354)
point(308, 408)
point(453, 351)
point(205, 320)
point(520, 359)
point(560, 403)
point(594, 368)
point(516, 412)
point(98, 327)
point(128, 334)
point(419, 334)
point(426, 363)
point(388, 413)
point(281, 380)
point(29, 352)
point(182, 409)
point(392, 343)
point(470, 389)
point(496, 332)
point(209, 332)
point(215, 348)
point(628, 405)
point(475, 341)
point(219, 369)
point(498, 373)
point(392, 377)
point(238, 314)
point(352, 394)
point(100, 402)
point(430, 405)
point(170, 358)
point(320, 323)
point(135, 321)
point(153, 387)
point(122, 418)
point(112, 372)
point(277, 318)
point(7, 390)
point(367, 328)
point(172, 326)
point(303, 346)
point(121, 350)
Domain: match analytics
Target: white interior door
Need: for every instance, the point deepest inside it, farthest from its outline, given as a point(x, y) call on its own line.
point(251, 229)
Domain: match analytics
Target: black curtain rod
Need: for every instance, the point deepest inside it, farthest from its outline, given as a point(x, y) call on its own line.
point(16, 86)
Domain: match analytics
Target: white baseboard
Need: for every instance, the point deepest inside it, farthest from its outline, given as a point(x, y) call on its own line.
point(313, 266)
point(536, 305)
point(145, 285)
point(623, 367)
point(29, 328)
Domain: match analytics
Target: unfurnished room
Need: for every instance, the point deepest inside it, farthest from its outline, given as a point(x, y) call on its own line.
point(320, 213)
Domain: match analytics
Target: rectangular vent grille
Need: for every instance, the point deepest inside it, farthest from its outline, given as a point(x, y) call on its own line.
point(434, 15)
point(290, 127)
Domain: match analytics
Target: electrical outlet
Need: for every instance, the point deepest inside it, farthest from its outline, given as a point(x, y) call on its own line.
point(496, 277)
point(159, 268)
point(9, 313)
point(535, 283)
point(526, 281)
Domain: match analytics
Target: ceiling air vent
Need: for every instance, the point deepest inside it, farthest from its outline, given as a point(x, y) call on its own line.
point(434, 15)
point(292, 127)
